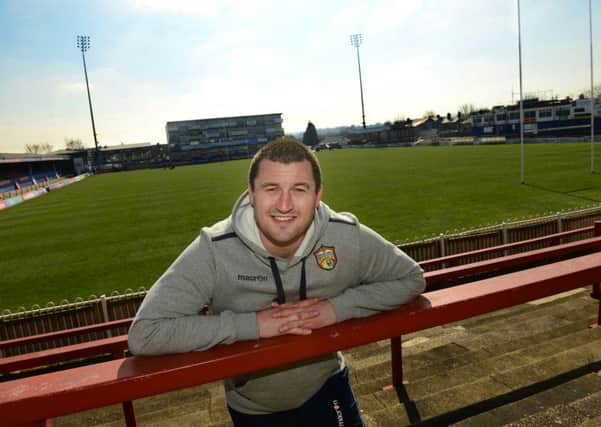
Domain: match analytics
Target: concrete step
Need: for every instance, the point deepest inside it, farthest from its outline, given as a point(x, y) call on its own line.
point(569, 403)
point(392, 416)
point(494, 327)
point(438, 404)
point(448, 378)
point(554, 304)
point(497, 325)
point(561, 409)
point(207, 402)
point(504, 364)
point(485, 402)
point(591, 422)
point(454, 363)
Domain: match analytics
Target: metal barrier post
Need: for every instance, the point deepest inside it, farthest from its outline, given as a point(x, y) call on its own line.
point(596, 293)
point(128, 412)
point(105, 313)
point(396, 359)
point(505, 238)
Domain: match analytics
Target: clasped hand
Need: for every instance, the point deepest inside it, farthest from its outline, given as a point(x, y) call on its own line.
point(297, 318)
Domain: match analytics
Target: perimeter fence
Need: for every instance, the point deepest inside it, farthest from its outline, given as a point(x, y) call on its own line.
point(118, 306)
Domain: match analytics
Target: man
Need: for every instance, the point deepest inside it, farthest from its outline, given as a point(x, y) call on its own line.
point(282, 263)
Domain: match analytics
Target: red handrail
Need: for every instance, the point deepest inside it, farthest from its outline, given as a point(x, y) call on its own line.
point(525, 259)
point(64, 333)
point(60, 393)
point(454, 259)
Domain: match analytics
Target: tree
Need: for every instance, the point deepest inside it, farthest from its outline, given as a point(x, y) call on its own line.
point(38, 148)
point(596, 91)
point(466, 109)
point(310, 137)
point(73, 144)
point(429, 113)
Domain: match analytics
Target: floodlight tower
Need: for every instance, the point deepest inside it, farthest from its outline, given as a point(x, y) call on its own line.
point(356, 40)
point(83, 43)
point(522, 160)
point(590, 17)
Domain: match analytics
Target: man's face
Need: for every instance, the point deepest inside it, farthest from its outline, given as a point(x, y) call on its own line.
point(284, 201)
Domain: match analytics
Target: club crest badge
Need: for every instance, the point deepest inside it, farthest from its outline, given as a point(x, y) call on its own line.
point(326, 257)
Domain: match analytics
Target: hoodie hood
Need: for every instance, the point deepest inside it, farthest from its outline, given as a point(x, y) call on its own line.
point(245, 227)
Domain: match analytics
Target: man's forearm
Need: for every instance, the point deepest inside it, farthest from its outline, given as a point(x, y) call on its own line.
point(371, 298)
point(189, 333)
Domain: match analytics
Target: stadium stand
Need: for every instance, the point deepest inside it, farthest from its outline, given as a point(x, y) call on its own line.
point(6, 185)
point(21, 172)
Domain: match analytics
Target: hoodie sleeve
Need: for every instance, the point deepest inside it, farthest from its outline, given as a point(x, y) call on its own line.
point(388, 279)
point(169, 319)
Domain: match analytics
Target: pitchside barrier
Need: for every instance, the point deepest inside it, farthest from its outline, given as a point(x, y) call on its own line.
point(82, 314)
point(432, 253)
point(12, 198)
point(40, 185)
point(34, 400)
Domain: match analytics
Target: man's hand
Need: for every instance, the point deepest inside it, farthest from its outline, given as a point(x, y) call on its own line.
point(298, 318)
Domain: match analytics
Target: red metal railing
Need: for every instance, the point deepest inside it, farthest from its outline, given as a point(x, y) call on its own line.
point(33, 399)
point(457, 259)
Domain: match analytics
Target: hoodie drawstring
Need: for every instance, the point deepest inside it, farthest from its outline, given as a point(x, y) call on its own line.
point(302, 290)
point(278, 281)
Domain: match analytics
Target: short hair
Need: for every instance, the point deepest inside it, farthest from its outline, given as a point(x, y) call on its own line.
point(285, 150)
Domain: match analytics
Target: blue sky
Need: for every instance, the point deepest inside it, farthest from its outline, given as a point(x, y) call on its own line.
point(155, 61)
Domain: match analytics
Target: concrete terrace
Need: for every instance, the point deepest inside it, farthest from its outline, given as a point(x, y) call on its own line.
point(536, 364)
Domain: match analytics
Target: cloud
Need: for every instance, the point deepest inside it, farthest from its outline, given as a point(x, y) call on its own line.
point(204, 7)
point(197, 7)
point(375, 17)
point(73, 87)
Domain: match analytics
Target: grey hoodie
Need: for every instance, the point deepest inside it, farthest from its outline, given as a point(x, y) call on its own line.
point(228, 269)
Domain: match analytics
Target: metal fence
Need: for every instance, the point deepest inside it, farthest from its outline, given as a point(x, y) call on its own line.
point(504, 233)
point(116, 306)
point(54, 318)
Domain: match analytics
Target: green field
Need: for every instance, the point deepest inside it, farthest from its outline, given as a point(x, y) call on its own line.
point(119, 231)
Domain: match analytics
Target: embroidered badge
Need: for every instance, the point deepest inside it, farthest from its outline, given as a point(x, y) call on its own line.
point(326, 257)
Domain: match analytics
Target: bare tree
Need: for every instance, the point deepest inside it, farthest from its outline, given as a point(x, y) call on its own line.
point(32, 148)
point(596, 91)
point(73, 144)
point(466, 109)
point(38, 148)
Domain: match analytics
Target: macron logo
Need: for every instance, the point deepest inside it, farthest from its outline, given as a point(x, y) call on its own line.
point(252, 278)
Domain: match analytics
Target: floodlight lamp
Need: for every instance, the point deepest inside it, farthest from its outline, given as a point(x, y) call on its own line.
point(83, 43)
point(356, 39)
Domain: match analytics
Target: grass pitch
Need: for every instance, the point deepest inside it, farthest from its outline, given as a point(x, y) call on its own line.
point(119, 231)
